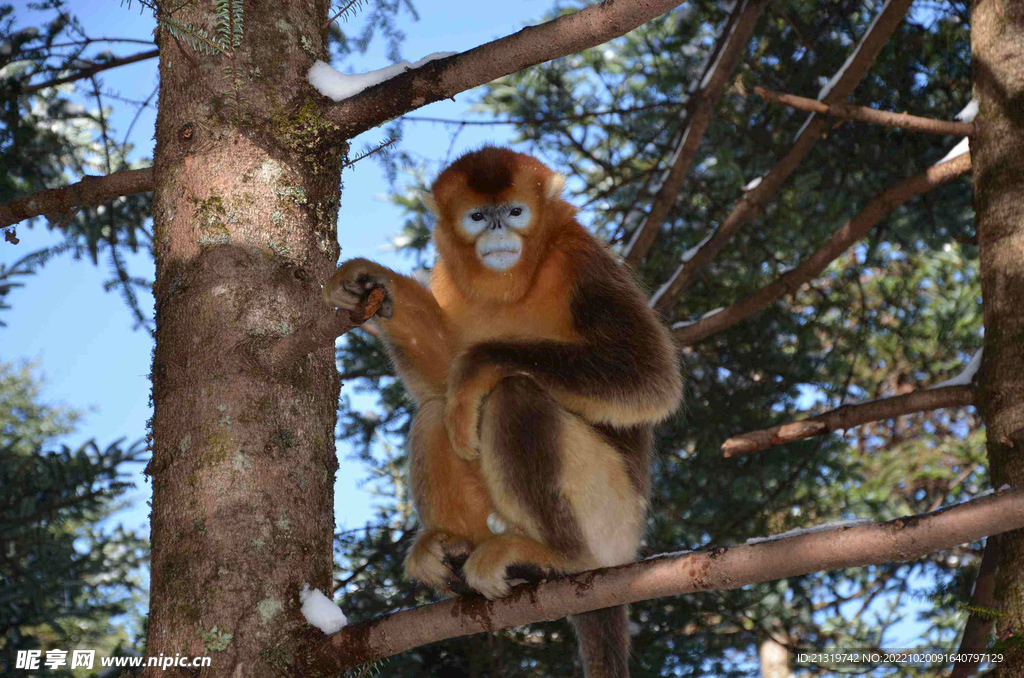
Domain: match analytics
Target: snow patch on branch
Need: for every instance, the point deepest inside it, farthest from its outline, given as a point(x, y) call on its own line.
point(963, 147)
point(968, 113)
point(338, 86)
point(320, 611)
point(687, 255)
point(853, 55)
point(725, 47)
point(824, 527)
point(828, 86)
point(966, 376)
point(687, 323)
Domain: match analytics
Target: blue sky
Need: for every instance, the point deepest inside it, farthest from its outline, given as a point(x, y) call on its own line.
point(82, 336)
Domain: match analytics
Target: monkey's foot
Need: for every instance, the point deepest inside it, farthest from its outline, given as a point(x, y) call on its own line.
point(436, 559)
point(493, 562)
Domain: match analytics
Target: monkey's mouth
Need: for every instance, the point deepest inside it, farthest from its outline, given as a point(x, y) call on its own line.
point(500, 257)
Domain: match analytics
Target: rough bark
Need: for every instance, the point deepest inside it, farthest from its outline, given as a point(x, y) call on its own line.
point(245, 205)
point(997, 48)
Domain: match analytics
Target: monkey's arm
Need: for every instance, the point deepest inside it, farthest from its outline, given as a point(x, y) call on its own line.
point(414, 326)
point(623, 371)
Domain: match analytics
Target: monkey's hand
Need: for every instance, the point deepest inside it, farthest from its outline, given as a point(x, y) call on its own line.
point(462, 409)
point(436, 559)
point(350, 285)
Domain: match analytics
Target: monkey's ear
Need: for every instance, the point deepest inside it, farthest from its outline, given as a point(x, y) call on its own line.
point(556, 182)
point(428, 199)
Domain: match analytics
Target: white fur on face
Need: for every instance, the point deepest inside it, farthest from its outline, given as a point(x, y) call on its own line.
point(499, 250)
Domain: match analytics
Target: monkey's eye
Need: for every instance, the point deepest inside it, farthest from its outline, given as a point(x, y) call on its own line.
point(515, 211)
point(477, 216)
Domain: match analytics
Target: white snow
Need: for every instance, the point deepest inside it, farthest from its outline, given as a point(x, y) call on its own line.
point(963, 147)
point(828, 86)
point(687, 323)
point(965, 377)
point(753, 184)
point(692, 252)
point(969, 112)
point(1004, 487)
point(320, 611)
point(853, 55)
point(338, 86)
point(725, 46)
point(825, 527)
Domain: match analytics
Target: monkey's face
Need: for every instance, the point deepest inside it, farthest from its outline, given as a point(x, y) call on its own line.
point(497, 231)
point(494, 212)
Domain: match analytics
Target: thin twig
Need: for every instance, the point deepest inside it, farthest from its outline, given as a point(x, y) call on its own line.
point(90, 71)
point(729, 50)
point(376, 149)
point(854, 71)
point(545, 119)
point(868, 114)
point(669, 575)
point(340, 12)
point(851, 232)
point(849, 416)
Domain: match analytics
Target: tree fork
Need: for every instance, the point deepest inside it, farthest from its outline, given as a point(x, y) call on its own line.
point(245, 209)
point(997, 149)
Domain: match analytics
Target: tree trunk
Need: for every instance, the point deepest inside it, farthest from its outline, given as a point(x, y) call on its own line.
point(244, 211)
point(997, 150)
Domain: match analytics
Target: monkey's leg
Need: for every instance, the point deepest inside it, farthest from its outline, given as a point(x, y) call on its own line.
point(559, 481)
point(451, 501)
point(578, 496)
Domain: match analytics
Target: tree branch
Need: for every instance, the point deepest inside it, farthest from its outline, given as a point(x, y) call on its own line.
point(444, 78)
point(851, 232)
point(90, 71)
point(728, 52)
point(855, 69)
point(322, 332)
point(716, 569)
point(849, 416)
point(88, 191)
point(979, 626)
point(868, 114)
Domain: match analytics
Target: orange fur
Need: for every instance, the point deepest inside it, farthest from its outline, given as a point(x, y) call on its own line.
point(584, 352)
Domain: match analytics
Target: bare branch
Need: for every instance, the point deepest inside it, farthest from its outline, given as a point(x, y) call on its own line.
point(88, 191)
point(544, 119)
point(90, 71)
point(444, 78)
point(322, 332)
point(852, 231)
point(853, 72)
point(728, 52)
point(716, 569)
point(849, 416)
point(868, 114)
point(979, 625)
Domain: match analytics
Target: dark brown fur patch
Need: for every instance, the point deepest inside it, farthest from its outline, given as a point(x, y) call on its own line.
point(527, 431)
point(604, 642)
point(628, 354)
point(634, 444)
point(488, 171)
